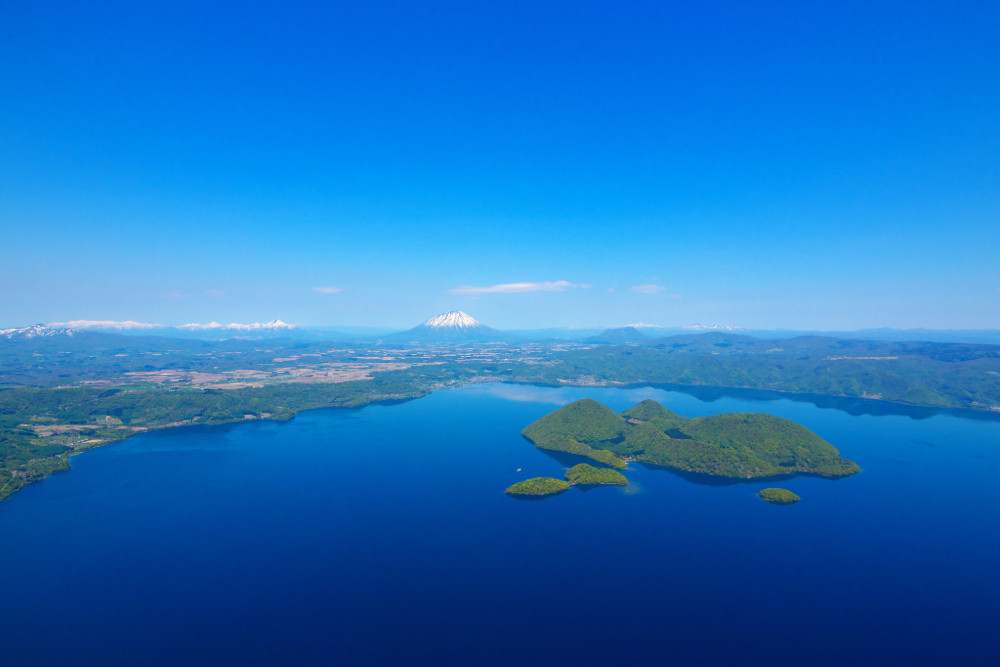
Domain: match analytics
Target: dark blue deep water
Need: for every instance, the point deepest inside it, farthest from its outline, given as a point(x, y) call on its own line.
point(383, 536)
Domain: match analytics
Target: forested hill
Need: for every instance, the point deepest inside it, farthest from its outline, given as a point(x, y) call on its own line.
point(733, 445)
point(944, 375)
point(822, 347)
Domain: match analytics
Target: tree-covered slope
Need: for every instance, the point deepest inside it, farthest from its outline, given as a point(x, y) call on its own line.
point(780, 444)
point(585, 428)
point(587, 475)
point(738, 445)
point(651, 411)
point(538, 486)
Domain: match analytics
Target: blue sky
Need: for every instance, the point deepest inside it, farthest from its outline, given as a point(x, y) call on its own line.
point(794, 165)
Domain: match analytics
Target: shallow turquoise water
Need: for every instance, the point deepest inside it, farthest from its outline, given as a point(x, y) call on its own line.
point(382, 535)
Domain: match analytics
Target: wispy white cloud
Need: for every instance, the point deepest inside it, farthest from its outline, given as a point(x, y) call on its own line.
point(653, 288)
point(215, 292)
point(328, 290)
point(510, 288)
point(648, 288)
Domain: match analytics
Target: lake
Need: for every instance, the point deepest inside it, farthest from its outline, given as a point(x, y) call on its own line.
point(382, 536)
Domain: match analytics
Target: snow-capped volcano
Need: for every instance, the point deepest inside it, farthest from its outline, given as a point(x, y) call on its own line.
point(455, 318)
point(451, 327)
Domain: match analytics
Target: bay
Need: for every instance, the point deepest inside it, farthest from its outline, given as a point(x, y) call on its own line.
point(382, 536)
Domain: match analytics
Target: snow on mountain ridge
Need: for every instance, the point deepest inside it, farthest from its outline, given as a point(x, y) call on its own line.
point(35, 331)
point(454, 319)
point(254, 326)
point(698, 326)
point(193, 326)
point(103, 324)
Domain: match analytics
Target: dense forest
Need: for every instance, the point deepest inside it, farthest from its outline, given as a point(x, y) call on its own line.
point(735, 445)
point(942, 375)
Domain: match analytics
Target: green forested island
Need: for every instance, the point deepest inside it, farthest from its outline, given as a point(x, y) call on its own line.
point(737, 445)
point(581, 474)
point(537, 486)
point(779, 496)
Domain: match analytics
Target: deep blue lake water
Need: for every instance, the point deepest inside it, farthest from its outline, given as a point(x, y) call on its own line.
point(383, 536)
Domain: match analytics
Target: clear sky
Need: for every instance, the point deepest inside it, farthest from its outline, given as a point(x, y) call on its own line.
point(759, 164)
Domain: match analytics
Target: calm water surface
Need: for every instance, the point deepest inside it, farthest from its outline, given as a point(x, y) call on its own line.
point(382, 536)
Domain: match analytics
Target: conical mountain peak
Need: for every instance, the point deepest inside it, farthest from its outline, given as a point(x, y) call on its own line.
point(452, 327)
point(454, 319)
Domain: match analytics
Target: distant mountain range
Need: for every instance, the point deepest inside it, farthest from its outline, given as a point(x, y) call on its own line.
point(209, 331)
point(36, 331)
point(627, 334)
point(457, 326)
point(619, 336)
